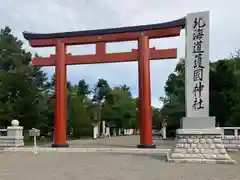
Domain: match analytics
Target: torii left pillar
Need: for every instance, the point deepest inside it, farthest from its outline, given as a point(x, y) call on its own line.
point(145, 111)
point(61, 97)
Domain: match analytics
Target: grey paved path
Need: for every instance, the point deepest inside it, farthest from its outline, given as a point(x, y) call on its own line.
point(97, 166)
point(108, 166)
point(119, 142)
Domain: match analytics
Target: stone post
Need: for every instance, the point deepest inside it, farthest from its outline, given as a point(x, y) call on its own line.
point(236, 132)
point(15, 134)
point(114, 132)
point(103, 128)
point(95, 131)
point(163, 131)
point(108, 132)
point(198, 140)
point(119, 131)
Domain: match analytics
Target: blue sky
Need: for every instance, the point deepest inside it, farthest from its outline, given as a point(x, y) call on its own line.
point(45, 16)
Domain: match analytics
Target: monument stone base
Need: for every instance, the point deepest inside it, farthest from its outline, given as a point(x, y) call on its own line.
point(199, 146)
point(199, 122)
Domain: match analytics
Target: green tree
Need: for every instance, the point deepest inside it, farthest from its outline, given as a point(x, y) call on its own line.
point(80, 121)
point(156, 117)
point(120, 108)
point(101, 90)
point(174, 103)
point(82, 89)
point(21, 85)
point(222, 86)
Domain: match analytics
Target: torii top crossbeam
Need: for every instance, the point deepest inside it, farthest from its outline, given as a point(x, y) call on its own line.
point(128, 33)
point(100, 37)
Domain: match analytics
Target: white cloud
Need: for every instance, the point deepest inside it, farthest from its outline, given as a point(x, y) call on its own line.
point(45, 16)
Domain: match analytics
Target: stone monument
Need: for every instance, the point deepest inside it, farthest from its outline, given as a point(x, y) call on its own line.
point(198, 140)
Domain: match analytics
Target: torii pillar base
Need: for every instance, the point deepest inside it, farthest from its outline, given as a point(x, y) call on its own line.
point(60, 145)
point(147, 146)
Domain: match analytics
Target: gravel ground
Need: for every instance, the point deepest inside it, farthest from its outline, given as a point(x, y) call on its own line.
point(98, 166)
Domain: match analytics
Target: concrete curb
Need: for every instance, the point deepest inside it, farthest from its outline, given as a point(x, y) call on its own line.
point(90, 150)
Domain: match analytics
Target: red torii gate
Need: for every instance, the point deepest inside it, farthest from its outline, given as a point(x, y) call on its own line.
point(100, 37)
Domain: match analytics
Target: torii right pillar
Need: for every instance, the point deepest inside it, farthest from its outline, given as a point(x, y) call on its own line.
point(198, 140)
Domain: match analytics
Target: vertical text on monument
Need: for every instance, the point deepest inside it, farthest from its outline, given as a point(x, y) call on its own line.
point(197, 64)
